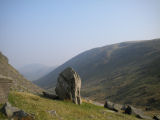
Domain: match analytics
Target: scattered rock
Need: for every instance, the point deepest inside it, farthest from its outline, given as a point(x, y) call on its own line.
point(8, 110)
point(156, 117)
point(21, 115)
point(128, 109)
point(112, 106)
point(51, 96)
point(137, 112)
point(69, 85)
point(16, 113)
point(52, 112)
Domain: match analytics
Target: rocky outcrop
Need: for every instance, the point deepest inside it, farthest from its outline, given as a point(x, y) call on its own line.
point(69, 85)
point(15, 113)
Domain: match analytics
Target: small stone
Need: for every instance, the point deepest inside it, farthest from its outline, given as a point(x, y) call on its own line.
point(52, 112)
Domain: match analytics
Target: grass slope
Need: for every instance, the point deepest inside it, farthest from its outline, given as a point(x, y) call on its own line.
point(65, 109)
point(126, 72)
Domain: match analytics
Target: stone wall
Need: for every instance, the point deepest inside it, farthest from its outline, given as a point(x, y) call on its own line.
point(5, 85)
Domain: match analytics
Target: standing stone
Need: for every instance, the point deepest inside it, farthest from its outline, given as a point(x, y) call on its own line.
point(5, 84)
point(69, 85)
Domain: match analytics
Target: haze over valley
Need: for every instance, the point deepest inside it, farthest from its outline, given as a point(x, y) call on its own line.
point(35, 71)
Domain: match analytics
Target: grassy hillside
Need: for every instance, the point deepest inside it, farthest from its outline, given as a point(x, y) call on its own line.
point(65, 110)
point(19, 82)
point(127, 72)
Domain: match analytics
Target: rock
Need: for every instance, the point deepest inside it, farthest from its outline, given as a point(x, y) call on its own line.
point(52, 112)
point(51, 96)
point(112, 106)
point(118, 107)
point(16, 113)
point(124, 107)
point(21, 115)
point(69, 85)
point(8, 110)
point(128, 110)
point(137, 112)
point(156, 117)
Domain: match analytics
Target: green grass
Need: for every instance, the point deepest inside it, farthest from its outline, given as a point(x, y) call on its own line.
point(65, 110)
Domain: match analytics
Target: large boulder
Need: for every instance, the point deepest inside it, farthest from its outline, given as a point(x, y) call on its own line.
point(69, 85)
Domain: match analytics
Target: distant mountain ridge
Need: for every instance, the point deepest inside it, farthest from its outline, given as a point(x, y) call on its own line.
point(19, 82)
point(127, 72)
point(35, 71)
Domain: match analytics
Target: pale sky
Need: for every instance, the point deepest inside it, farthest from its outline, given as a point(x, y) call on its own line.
point(51, 32)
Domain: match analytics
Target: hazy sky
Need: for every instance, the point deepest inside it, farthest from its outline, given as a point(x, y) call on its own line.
point(52, 31)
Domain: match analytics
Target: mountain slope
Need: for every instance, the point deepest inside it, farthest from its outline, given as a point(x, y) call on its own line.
point(35, 71)
point(127, 72)
point(19, 82)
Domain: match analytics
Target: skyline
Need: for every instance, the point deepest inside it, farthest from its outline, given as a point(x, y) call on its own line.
point(52, 32)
